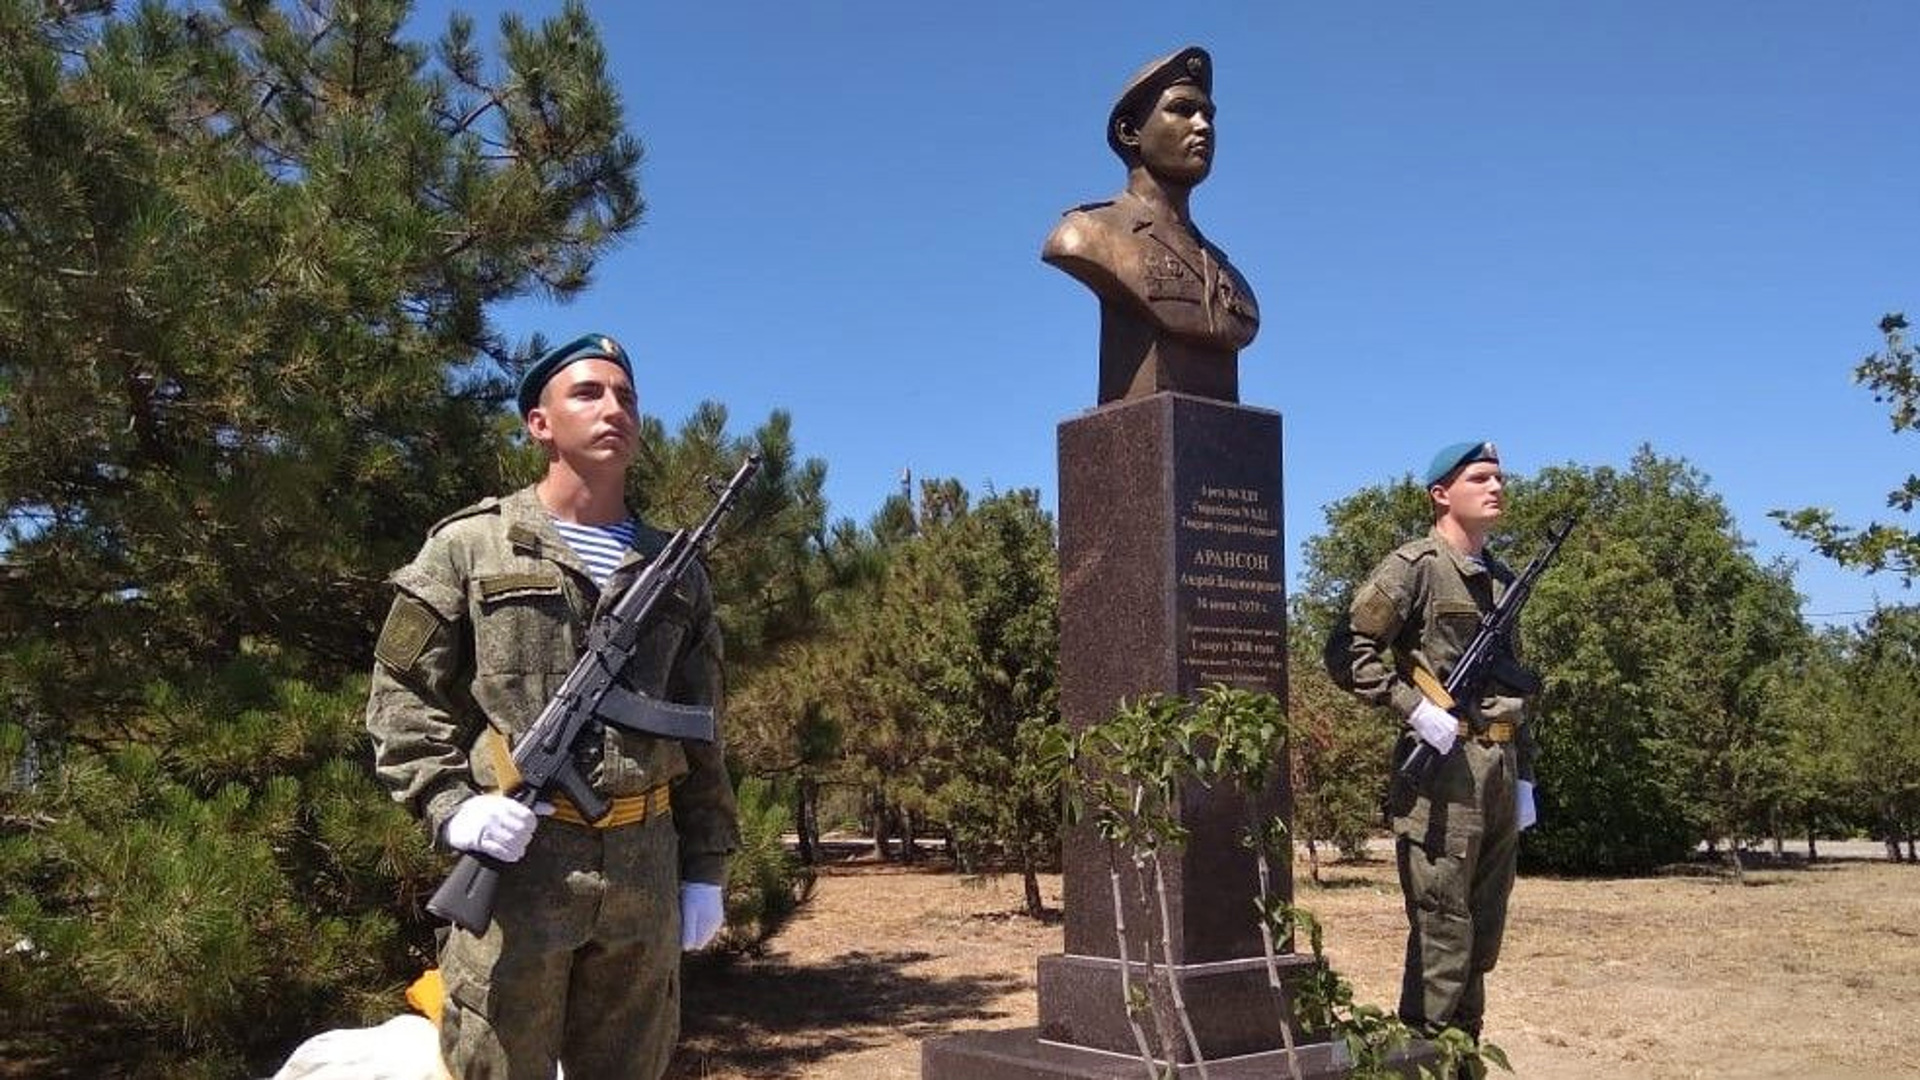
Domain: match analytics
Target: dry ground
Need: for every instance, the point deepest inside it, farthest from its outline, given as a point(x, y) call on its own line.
point(1803, 972)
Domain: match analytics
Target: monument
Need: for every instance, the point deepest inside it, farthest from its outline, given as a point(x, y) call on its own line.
point(1171, 579)
point(1174, 313)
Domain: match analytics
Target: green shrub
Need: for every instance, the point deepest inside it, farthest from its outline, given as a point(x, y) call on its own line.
point(766, 883)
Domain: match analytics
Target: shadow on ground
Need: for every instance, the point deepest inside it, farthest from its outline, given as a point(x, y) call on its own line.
point(769, 1018)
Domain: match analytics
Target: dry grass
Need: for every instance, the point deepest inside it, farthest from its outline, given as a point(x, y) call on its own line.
point(1803, 972)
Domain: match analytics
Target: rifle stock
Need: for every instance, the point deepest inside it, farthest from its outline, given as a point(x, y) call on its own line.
point(465, 899)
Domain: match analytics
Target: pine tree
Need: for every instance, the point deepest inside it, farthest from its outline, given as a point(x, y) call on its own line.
point(249, 251)
point(966, 639)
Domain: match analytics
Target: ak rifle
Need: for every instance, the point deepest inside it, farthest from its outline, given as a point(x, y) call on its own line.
point(590, 696)
point(1489, 647)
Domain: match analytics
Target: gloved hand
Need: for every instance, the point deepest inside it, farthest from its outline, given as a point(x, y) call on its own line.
point(1523, 799)
point(703, 911)
point(1434, 724)
point(492, 825)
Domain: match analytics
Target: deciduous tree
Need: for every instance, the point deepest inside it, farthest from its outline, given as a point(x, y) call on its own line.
point(1891, 375)
point(1657, 633)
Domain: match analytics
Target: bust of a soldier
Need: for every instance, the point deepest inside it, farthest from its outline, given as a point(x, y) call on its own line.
point(1174, 313)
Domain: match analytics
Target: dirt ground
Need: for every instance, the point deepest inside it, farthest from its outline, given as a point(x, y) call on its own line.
point(1805, 971)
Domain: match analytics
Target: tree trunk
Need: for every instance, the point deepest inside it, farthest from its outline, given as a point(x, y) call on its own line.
point(1813, 846)
point(882, 828)
point(803, 826)
point(909, 851)
point(957, 856)
point(1030, 879)
point(813, 816)
point(1313, 861)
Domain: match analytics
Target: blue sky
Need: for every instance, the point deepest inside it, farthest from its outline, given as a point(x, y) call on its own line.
point(1571, 228)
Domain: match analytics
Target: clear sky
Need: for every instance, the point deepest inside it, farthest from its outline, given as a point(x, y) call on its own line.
point(1573, 228)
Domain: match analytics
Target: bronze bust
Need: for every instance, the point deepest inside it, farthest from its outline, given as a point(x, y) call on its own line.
point(1174, 313)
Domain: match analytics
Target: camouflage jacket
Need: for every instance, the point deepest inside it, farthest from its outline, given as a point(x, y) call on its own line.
point(487, 621)
point(1421, 605)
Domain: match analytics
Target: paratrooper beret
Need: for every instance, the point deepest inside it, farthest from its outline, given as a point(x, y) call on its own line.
point(590, 347)
point(1454, 456)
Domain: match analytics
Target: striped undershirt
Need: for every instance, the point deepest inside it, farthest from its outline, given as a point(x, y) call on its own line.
point(601, 547)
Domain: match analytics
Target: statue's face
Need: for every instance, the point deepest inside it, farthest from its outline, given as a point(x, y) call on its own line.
point(1176, 135)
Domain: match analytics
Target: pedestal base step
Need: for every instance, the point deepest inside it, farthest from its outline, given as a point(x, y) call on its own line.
point(1018, 1054)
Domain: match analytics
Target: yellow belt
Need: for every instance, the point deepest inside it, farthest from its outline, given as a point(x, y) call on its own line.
point(627, 809)
point(1496, 731)
point(624, 809)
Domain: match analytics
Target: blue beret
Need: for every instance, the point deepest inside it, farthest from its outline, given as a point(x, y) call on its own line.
point(590, 347)
point(1452, 457)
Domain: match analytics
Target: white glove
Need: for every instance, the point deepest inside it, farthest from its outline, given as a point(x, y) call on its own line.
point(703, 909)
point(1434, 724)
point(1523, 800)
point(492, 825)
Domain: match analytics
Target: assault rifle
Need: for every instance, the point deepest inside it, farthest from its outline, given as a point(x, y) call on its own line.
point(590, 696)
point(1484, 654)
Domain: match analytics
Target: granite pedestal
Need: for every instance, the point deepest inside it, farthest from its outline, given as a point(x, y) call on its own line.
point(1171, 579)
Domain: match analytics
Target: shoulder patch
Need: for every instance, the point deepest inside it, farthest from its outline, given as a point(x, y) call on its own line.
point(409, 625)
point(488, 505)
point(1374, 612)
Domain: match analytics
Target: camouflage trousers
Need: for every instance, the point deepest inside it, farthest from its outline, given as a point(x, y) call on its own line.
point(1455, 848)
point(581, 965)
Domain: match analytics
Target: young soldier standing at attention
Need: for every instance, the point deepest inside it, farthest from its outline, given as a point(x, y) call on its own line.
point(581, 963)
point(1456, 830)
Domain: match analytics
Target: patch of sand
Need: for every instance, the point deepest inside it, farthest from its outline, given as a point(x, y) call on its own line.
point(1803, 972)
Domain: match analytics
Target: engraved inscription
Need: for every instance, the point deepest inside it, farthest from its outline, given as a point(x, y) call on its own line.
point(1231, 588)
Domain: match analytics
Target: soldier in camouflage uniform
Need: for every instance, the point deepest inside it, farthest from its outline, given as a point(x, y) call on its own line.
point(581, 963)
point(1457, 832)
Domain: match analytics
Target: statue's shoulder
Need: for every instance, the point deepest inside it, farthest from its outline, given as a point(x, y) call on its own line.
point(1105, 214)
point(1089, 230)
point(1093, 223)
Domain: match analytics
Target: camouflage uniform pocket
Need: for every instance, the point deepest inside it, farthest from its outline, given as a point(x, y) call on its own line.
point(1455, 621)
point(467, 1039)
point(1440, 843)
point(522, 622)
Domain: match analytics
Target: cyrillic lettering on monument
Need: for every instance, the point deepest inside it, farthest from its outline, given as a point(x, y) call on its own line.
point(1232, 594)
